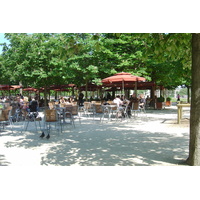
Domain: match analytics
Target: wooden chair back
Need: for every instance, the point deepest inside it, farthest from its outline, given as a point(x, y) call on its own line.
point(75, 110)
point(51, 115)
point(114, 108)
point(87, 105)
point(51, 105)
point(135, 106)
point(98, 108)
point(4, 115)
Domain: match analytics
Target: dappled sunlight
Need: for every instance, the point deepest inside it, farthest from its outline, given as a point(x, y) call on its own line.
point(91, 143)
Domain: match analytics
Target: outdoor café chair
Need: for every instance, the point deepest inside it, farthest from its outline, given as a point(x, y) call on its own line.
point(88, 109)
point(110, 111)
point(5, 118)
point(75, 113)
point(98, 110)
point(65, 114)
point(50, 118)
point(31, 117)
point(135, 108)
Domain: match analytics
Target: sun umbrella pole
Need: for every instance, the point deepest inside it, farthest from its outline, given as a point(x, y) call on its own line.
point(136, 88)
point(20, 90)
point(122, 87)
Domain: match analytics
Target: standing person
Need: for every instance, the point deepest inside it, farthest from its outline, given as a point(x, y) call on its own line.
point(178, 97)
point(108, 96)
point(133, 98)
point(148, 100)
point(81, 95)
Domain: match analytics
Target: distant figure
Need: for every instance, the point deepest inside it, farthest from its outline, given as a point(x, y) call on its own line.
point(80, 98)
point(109, 96)
point(178, 97)
point(134, 98)
point(33, 105)
point(142, 101)
point(62, 100)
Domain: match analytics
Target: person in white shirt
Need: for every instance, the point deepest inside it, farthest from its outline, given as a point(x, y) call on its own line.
point(118, 101)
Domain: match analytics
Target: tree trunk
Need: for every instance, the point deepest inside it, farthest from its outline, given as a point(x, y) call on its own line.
point(20, 90)
point(45, 96)
point(86, 90)
point(194, 146)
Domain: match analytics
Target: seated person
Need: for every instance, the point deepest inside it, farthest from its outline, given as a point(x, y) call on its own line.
point(20, 102)
point(62, 100)
point(142, 101)
point(33, 105)
point(71, 99)
point(118, 101)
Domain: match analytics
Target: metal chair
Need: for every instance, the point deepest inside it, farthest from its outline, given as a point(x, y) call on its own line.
point(110, 110)
point(135, 108)
point(75, 113)
point(88, 108)
point(65, 114)
point(68, 117)
point(98, 110)
point(32, 117)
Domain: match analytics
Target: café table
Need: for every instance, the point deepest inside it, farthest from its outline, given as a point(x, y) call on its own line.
point(180, 111)
point(109, 110)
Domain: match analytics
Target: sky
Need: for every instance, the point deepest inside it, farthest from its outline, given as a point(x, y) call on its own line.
point(2, 40)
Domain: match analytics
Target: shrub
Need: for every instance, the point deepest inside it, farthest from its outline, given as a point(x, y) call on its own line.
point(168, 99)
point(161, 99)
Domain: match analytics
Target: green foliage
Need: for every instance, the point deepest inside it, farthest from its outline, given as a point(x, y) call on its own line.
point(47, 58)
point(168, 99)
point(161, 99)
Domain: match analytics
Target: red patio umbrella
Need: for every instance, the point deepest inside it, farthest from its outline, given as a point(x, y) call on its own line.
point(53, 87)
point(90, 87)
point(61, 90)
point(122, 78)
point(5, 87)
point(15, 87)
point(30, 89)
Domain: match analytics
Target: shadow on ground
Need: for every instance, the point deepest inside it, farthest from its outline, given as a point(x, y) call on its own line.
point(107, 144)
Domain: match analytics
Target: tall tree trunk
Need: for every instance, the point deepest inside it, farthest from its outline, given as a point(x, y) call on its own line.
point(45, 96)
point(86, 90)
point(20, 90)
point(194, 146)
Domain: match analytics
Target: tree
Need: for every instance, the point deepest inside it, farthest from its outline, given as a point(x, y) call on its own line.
point(34, 59)
point(194, 146)
point(180, 46)
point(120, 52)
point(168, 58)
point(44, 59)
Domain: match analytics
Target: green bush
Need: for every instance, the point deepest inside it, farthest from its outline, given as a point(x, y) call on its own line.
point(168, 99)
point(160, 99)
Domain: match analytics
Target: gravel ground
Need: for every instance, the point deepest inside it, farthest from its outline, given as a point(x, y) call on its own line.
point(154, 139)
